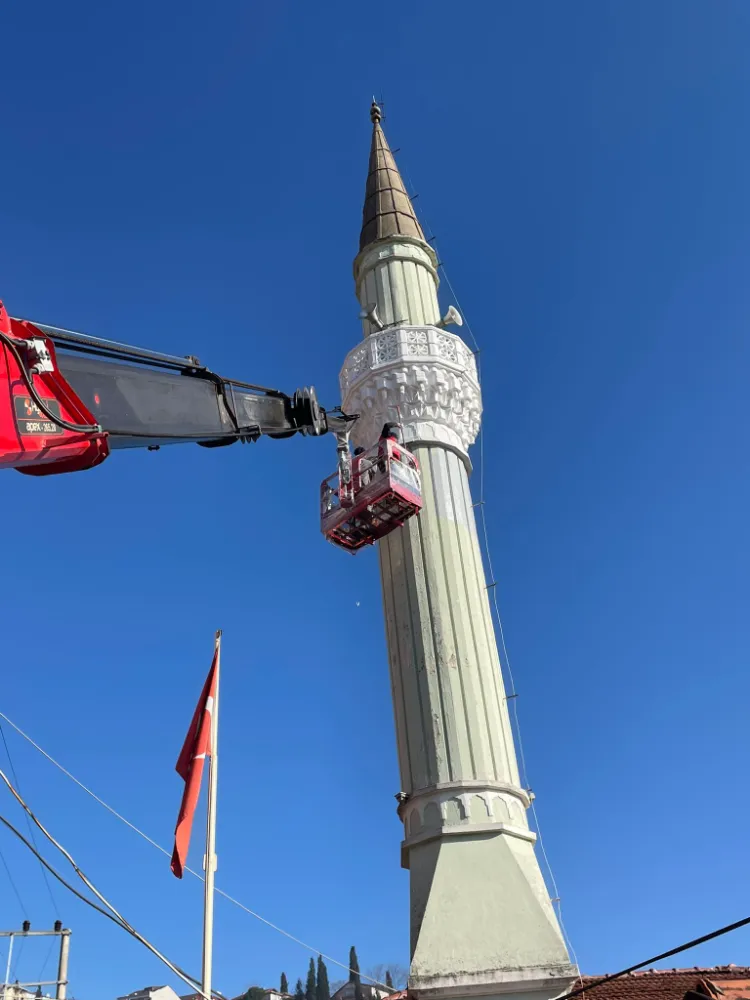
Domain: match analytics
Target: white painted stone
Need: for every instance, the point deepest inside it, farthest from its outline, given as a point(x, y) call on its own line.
point(421, 376)
point(401, 279)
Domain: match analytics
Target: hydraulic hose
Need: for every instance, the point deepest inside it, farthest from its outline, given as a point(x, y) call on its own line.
point(11, 345)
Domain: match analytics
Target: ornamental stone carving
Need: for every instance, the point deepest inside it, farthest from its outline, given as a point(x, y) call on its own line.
point(423, 377)
point(465, 808)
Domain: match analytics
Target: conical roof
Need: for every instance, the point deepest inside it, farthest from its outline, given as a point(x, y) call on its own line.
point(387, 211)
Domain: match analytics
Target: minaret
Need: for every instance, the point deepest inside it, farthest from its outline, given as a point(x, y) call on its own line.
point(482, 923)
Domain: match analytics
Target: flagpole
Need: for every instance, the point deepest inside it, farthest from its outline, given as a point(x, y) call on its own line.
point(209, 862)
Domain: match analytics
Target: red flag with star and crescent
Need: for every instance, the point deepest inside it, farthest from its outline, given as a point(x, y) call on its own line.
point(190, 763)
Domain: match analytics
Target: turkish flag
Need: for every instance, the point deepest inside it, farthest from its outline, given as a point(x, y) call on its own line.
point(196, 748)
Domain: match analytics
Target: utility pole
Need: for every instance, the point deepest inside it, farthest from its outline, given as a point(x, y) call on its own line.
point(61, 982)
point(62, 966)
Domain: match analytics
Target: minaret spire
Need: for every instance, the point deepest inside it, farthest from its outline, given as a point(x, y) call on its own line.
point(387, 212)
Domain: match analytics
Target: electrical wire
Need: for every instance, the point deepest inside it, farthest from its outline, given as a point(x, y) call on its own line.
point(13, 885)
point(47, 957)
point(110, 911)
point(16, 960)
point(193, 983)
point(28, 824)
point(153, 843)
point(656, 958)
point(50, 947)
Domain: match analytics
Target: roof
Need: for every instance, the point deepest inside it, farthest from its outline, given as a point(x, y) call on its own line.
point(387, 210)
point(144, 992)
point(241, 996)
point(672, 984)
point(367, 988)
point(661, 984)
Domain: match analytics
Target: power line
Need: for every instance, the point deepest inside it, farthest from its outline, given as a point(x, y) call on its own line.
point(111, 913)
point(150, 840)
point(656, 958)
point(17, 960)
point(47, 957)
point(28, 823)
point(13, 885)
point(51, 946)
point(193, 983)
point(19, 952)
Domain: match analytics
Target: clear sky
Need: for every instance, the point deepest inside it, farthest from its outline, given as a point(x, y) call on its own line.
point(190, 177)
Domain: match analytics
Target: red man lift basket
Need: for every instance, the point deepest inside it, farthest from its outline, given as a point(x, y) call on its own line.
point(384, 491)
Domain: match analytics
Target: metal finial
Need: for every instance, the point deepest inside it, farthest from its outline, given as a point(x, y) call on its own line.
point(375, 112)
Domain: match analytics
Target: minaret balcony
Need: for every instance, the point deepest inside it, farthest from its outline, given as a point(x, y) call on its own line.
point(423, 377)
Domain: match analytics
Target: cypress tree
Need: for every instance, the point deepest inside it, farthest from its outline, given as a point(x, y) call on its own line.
point(299, 991)
point(354, 976)
point(310, 989)
point(284, 985)
point(322, 990)
point(388, 979)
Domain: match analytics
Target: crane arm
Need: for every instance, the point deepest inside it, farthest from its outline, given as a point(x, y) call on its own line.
point(68, 399)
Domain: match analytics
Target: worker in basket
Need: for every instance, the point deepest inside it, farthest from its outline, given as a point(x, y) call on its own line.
point(367, 470)
point(390, 432)
point(362, 473)
point(406, 461)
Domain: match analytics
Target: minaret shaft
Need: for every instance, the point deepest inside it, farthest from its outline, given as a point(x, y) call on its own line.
point(482, 923)
point(401, 280)
point(432, 573)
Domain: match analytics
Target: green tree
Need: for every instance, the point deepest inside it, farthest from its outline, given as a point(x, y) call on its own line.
point(354, 976)
point(388, 979)
point(284, 986)
point(322, 990)
point(311, 984)
point(299, 991)
point(255, 993)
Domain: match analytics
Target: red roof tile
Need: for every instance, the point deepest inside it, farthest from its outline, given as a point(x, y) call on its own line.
point(670, 984)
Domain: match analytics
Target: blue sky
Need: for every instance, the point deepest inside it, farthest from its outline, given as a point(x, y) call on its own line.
point(190, 177)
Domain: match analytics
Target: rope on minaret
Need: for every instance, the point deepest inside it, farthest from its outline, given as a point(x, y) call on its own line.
point(492, 588)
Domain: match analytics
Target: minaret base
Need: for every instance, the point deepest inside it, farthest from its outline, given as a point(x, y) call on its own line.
point(482, 922)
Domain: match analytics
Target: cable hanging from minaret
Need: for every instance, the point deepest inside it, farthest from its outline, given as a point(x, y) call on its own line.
point(491, 587)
